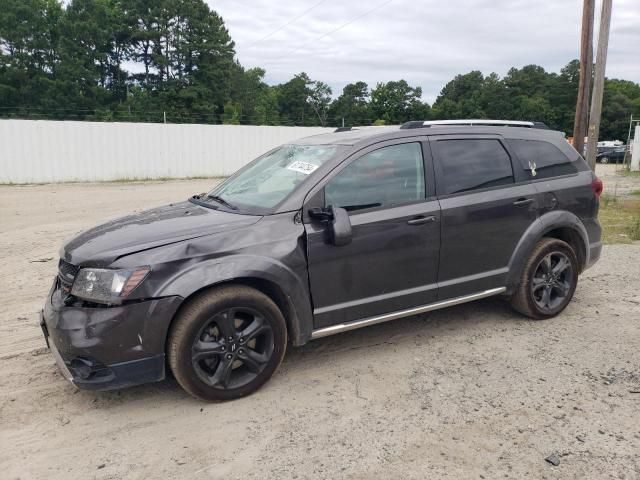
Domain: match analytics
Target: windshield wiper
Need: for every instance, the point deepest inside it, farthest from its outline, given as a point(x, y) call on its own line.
point(221, 201)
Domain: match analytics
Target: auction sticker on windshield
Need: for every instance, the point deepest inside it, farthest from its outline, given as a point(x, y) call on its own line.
point(302, 167)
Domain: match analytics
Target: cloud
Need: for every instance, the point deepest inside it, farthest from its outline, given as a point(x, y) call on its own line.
point(426, 42)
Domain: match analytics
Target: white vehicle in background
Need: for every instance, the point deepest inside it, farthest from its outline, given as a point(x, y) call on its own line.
point(610, 143)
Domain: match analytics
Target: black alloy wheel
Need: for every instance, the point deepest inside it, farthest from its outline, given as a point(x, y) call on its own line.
point(548, 280)
point(226, 342)
point(552, 281)
point(232, 348)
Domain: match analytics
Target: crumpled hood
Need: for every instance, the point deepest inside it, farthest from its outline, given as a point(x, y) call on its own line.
point(102, 245)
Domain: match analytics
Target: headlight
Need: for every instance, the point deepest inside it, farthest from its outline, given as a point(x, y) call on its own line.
point(107, 285)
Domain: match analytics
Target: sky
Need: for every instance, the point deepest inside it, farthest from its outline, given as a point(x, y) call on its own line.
point(426, 42)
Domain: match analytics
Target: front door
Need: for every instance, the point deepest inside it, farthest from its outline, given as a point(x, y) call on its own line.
point(487, 205)
point(391, 263)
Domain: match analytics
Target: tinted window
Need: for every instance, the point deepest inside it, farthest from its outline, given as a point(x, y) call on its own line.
point(471, 164)
point(542, 159)
point(388, 176)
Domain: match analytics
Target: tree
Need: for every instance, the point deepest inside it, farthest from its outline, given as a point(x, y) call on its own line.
point(143, 16)
point(616, 110)
point(494, 98)
point(187, 54)
point(621, 99)
point(534, 108)
point(319, 99)
point(292, 100)
point(398, 102)
point(352, 105)
point(232, 113)
point(461, 97)
point(562, 93)
point(257, 100)
point(140, 59)
point(93, 46)
point(204, 52)
point(28, 55)
point(527, 81)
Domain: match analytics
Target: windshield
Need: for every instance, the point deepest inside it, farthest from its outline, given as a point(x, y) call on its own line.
point(269, 179)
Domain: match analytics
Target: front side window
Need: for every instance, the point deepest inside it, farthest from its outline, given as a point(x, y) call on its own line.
point(472, 164)
point(541, 159)
point(269, 179)
point(386, 177)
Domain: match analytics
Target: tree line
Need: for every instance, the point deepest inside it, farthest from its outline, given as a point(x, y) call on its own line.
point(174, 60)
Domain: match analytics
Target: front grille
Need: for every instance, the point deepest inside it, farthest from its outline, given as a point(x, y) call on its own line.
point(66, 273)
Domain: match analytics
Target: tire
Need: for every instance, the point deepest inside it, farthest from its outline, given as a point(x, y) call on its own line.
point(604, 160)
point(551, 269)
point(226, 343)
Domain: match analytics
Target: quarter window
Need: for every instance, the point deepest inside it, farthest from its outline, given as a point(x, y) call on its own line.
point(386, 177)
point(471, 164)
point(542, 159)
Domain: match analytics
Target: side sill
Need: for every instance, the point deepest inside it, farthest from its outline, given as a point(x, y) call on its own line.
point(365, 322)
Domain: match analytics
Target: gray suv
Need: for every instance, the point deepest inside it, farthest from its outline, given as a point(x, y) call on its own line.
point(330, 233)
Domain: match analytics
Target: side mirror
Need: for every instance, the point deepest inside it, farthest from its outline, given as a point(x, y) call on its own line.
point(338, 223)
point(340, 227)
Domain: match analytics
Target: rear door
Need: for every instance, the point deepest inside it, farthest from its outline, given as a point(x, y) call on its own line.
point(486, 206)
point(554, 174)
point(391, 263)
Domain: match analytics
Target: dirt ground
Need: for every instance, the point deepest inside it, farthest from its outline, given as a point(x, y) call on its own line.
point(616, 185)
point(474, 391)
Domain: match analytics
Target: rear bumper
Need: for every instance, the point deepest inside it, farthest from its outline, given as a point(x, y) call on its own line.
point(595, 250)
point(108, 347)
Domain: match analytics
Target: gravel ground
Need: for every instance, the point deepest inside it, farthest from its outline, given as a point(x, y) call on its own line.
point(616, 185)
point(473, 391)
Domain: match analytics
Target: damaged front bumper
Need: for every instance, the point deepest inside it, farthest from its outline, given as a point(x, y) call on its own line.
point(104, 348)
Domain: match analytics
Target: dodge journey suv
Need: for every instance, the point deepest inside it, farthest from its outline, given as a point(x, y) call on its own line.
point(327, 234)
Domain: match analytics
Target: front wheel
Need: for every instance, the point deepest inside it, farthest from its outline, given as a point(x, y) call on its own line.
point(548, 281)
point(226, 343)
point(604, 160)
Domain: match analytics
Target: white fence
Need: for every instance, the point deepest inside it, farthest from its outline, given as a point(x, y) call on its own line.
point(35, 151)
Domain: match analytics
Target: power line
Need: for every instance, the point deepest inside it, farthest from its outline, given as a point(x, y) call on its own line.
point(335, 29)
point(273, 32)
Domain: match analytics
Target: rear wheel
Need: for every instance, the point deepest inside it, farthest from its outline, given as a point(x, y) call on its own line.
point(226, 343)
point(548, 281)
point(604, 160)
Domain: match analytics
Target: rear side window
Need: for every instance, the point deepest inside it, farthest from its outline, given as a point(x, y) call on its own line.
point(471, 164)
point(542, 159)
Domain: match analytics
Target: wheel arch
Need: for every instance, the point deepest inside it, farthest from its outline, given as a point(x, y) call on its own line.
point(287, 290)
point(571, 236)
point(560, 224)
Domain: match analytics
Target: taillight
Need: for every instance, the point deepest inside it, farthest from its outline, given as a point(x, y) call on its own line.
point(597, 187)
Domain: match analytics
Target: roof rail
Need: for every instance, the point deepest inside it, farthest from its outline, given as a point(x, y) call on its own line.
point(473, 122)
point(362, 127)
point(413, 124)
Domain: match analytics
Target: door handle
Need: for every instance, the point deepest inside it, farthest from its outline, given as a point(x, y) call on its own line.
point(523, 202)
point(421, 220)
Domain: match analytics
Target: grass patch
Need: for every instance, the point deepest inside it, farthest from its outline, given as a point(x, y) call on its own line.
point(620, 219)
point(635, 192)
point(628, 173)
point(608, 200)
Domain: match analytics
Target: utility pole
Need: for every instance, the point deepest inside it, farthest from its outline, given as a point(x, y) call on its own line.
point(598, 83)
point(581, 120)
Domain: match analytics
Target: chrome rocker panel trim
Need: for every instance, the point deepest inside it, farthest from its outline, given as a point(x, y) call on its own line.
point(365, 322)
